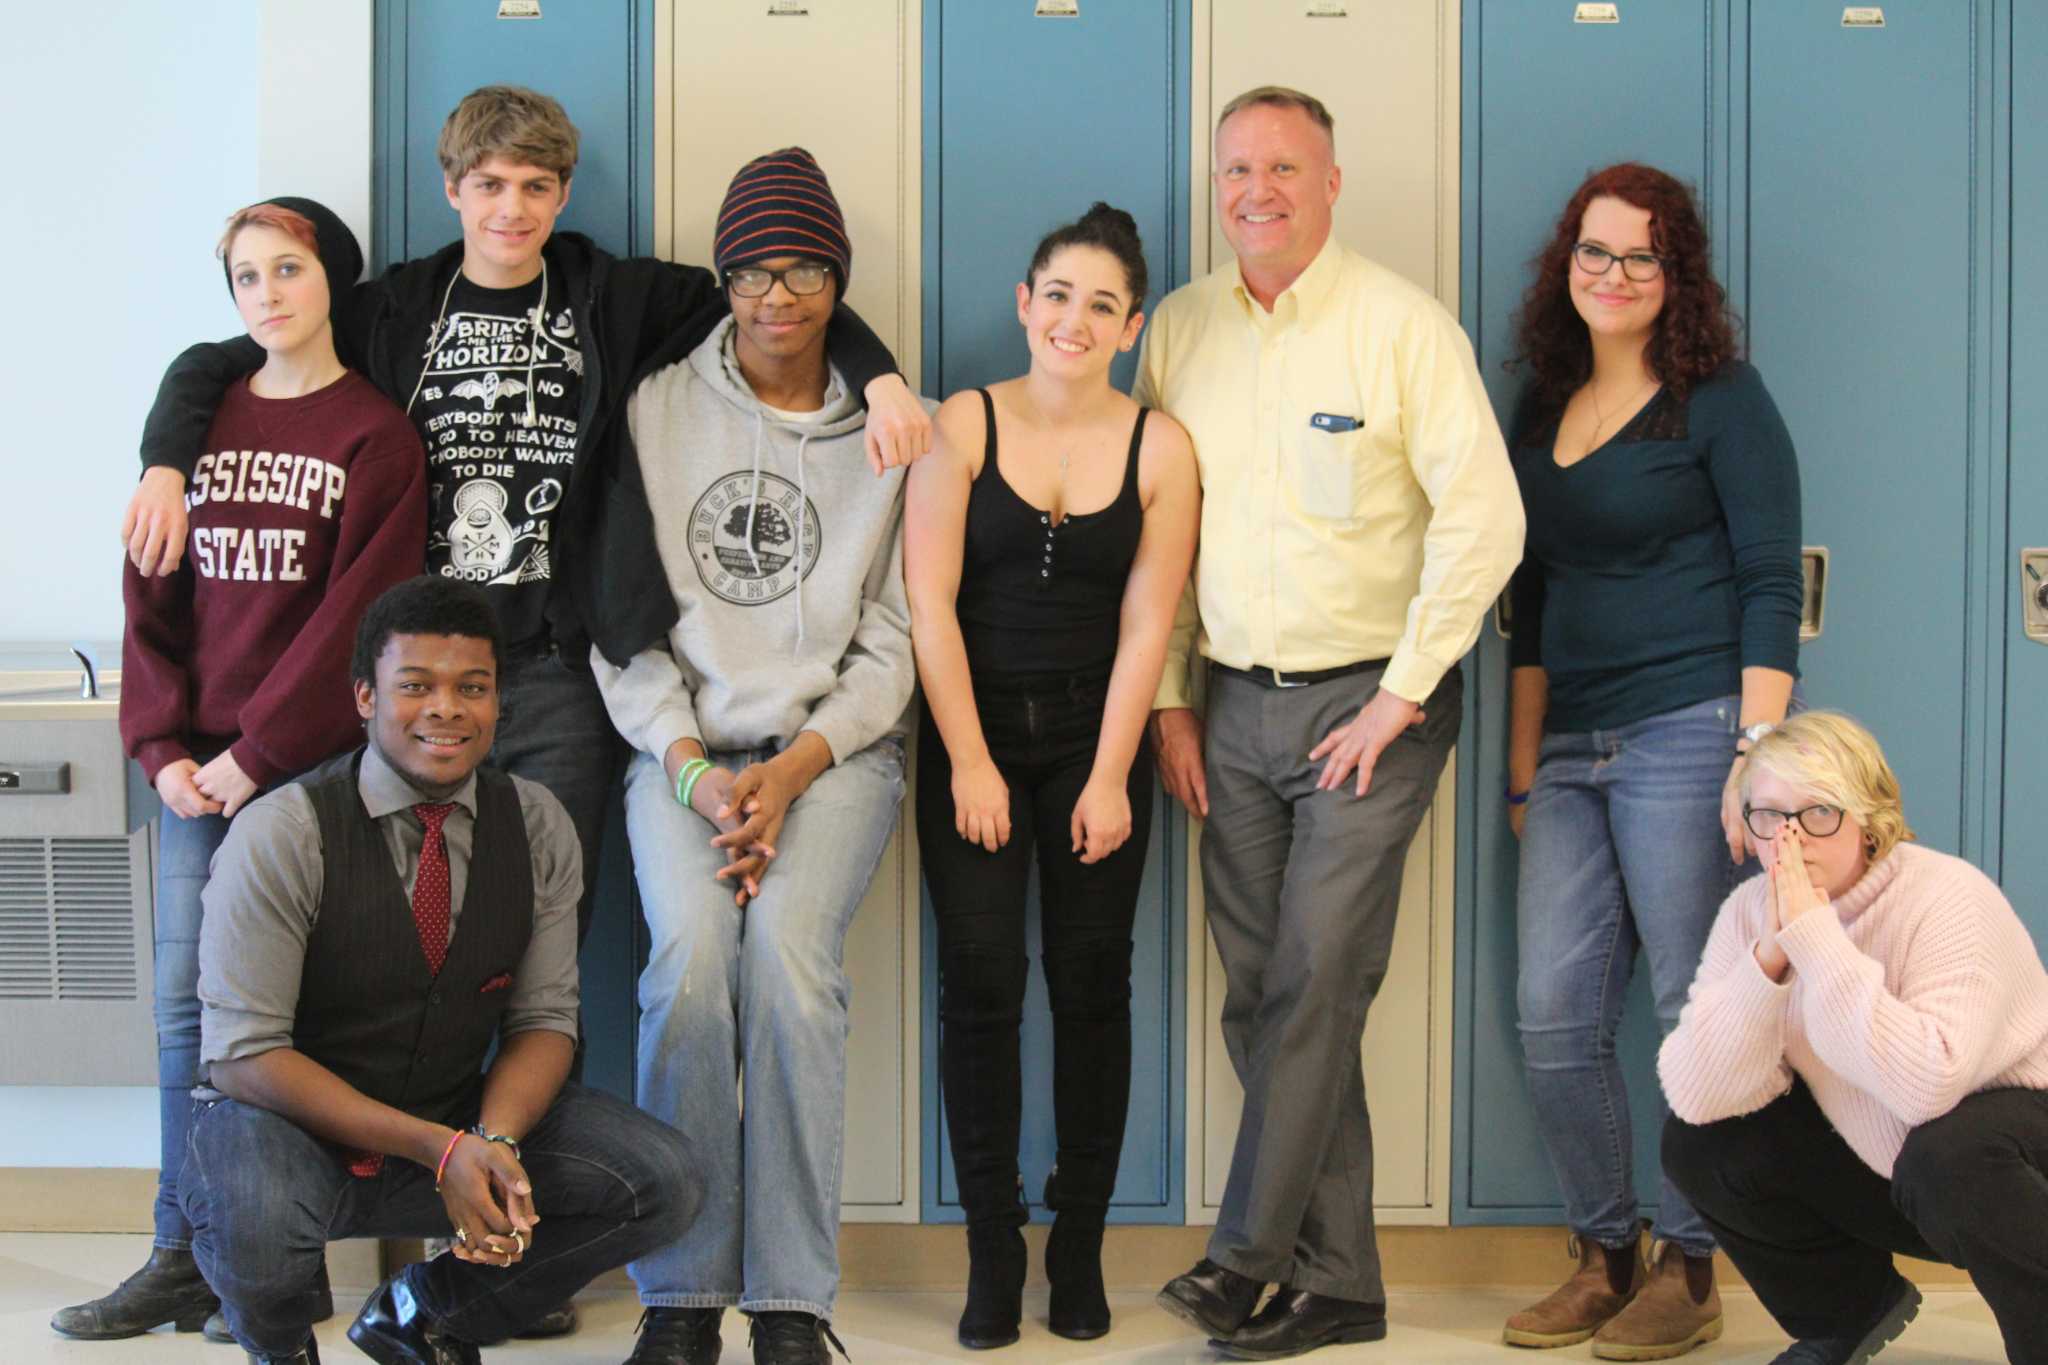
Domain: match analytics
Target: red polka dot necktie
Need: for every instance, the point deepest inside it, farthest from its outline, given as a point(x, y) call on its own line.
point(430, 888)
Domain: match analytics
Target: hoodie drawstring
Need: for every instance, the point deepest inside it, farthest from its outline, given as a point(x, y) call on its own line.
point(754, 498)
point(803, 502)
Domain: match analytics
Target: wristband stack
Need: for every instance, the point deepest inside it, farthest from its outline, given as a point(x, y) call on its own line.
point(686, 779)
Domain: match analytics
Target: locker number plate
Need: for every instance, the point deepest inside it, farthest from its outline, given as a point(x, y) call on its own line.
point(1863, 16)
point(1597, 14)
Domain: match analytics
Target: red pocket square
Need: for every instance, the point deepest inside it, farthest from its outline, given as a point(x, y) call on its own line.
point(501, 982)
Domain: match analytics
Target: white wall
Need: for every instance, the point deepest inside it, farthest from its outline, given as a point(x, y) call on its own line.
point(139, 126)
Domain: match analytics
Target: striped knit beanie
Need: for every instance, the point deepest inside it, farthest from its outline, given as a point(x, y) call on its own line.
point(781, 205)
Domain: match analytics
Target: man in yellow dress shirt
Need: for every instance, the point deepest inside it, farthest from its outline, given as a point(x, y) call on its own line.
point(1358, 517)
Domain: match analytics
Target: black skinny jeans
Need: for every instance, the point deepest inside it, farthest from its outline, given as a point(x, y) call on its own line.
point(1042, 735)
point(1812, 1228)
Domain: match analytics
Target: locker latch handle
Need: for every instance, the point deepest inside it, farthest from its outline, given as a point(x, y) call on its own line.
point(1813, 600)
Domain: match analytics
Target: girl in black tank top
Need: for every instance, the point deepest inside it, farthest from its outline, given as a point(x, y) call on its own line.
point(1041, 633)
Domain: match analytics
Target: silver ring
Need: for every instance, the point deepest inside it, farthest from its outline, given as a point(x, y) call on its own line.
point(520, 1238)
point(462, 1236)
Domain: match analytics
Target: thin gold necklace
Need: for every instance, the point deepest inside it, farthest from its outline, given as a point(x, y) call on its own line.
point(1601, 417)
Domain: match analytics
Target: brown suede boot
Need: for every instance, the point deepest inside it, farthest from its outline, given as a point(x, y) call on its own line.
point(1678, 1309)
point(1606, 1280)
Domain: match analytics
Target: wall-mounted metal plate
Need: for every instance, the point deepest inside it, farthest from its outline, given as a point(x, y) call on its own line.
point(2034, 594)
point(1504, 614)
point(34, 779)
point(1813, 604)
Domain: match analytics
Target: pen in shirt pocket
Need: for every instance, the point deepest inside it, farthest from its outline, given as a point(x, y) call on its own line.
point(1330, 421)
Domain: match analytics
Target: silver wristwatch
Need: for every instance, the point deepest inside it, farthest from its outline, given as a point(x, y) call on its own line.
point(1753, 733)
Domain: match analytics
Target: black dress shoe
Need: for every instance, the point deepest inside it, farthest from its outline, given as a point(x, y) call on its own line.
point(1294, 1321)
point(308, 1356)
point(677, 1336)
point(217, 1326)
point(168, 1288)
point(1211, 1298)
point(393, 1329)
point(791, 1338)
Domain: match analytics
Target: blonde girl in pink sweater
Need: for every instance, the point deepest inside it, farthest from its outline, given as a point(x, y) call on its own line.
point(1861, 1067)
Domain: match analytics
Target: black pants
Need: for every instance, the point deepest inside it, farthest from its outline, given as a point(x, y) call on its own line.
point(1812, 1228)
point(1042, 736)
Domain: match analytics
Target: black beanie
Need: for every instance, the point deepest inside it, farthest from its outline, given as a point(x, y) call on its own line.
point(781, 205)
point(340, 257)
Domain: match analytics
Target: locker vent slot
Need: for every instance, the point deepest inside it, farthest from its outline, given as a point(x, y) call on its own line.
point(67, 919)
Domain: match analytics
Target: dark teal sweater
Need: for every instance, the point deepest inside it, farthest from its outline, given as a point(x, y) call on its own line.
point(1663, 563)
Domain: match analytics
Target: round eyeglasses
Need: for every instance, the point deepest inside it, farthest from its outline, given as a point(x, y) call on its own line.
point(1818, 821)
point(1640, 266)
point(752, 282)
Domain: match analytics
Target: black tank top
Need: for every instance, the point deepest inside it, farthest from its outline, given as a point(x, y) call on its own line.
point(1036, 598)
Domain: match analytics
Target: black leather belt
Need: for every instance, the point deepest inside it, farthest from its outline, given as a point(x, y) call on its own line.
point(1273, 677)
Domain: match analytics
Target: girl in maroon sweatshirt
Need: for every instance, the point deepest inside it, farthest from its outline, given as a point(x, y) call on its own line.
point(309, 501)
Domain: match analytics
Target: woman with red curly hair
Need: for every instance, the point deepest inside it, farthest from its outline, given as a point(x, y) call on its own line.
point(1656, 637)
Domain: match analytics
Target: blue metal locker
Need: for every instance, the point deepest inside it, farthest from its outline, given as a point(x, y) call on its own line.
point(2025, 521)
point(598, 60)
point(1866, 295)
point(1547, 99)
point(1027, 121)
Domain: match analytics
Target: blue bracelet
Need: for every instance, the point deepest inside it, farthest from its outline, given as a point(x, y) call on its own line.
point(1515, 798)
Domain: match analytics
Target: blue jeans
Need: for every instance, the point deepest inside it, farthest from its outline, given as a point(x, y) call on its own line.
point(184, 854)
point(1622, 849)
point(265, 1198)
point(553, 729)
point(759, 993)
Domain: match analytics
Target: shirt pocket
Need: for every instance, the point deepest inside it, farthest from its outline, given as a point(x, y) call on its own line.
point(1325, 469)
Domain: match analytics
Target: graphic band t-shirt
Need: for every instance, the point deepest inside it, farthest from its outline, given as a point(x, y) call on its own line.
point(498, 409)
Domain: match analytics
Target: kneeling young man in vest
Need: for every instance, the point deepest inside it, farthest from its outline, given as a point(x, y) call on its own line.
point(370, 931)
point(767, 726)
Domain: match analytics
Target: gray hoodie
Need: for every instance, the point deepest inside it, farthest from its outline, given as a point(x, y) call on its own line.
point(785, 554)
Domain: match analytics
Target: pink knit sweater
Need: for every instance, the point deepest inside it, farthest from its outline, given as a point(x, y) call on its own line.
point(1919, 988)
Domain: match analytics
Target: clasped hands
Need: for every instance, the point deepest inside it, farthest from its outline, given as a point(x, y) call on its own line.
point(1788, 894)
point(489, 1202)
point(220, 787)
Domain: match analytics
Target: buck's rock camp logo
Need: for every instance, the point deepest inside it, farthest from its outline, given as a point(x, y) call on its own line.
point(751, 566)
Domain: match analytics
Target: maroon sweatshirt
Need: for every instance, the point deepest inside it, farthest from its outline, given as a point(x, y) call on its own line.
point(302, 511)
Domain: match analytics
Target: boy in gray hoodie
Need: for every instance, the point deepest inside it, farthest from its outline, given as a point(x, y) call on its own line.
point(768, 767)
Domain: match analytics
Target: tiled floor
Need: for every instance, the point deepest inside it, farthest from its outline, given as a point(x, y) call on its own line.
point(41, 1272)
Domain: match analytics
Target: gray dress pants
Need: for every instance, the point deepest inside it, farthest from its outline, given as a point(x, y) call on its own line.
point(1302, 887)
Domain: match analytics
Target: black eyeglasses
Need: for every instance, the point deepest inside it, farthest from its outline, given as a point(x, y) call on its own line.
point(1817, 821)
point(1640, 266)
point(752, 282)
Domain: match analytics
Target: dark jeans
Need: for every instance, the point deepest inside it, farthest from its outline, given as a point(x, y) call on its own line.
point(1043, 737)
point(1812, 1228)
point(265, 1197)
point(553, 729)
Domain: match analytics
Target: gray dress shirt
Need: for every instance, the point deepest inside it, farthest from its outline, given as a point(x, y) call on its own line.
point(264, 895)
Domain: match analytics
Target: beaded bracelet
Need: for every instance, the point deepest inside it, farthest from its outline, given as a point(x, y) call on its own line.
point(480, 1131)
point(442, 1168)
point(686, 778)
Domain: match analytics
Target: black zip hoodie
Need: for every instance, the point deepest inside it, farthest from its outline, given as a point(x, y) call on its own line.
point(627, 311)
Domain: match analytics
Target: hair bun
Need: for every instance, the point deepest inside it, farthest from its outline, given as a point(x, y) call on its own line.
point(1112, 217)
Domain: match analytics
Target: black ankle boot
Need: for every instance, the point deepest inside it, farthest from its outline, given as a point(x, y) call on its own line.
point(1073, 1263)
point(996, 1261)
point(168, 1288)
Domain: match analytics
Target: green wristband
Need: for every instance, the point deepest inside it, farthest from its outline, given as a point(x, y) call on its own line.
point(691, 785)
point(686, 777)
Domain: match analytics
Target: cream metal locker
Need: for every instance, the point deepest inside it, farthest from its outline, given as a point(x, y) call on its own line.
point(732, 82)
point(1388, 71)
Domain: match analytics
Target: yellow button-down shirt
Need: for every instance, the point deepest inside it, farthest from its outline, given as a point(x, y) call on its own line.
point(1321, 545)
